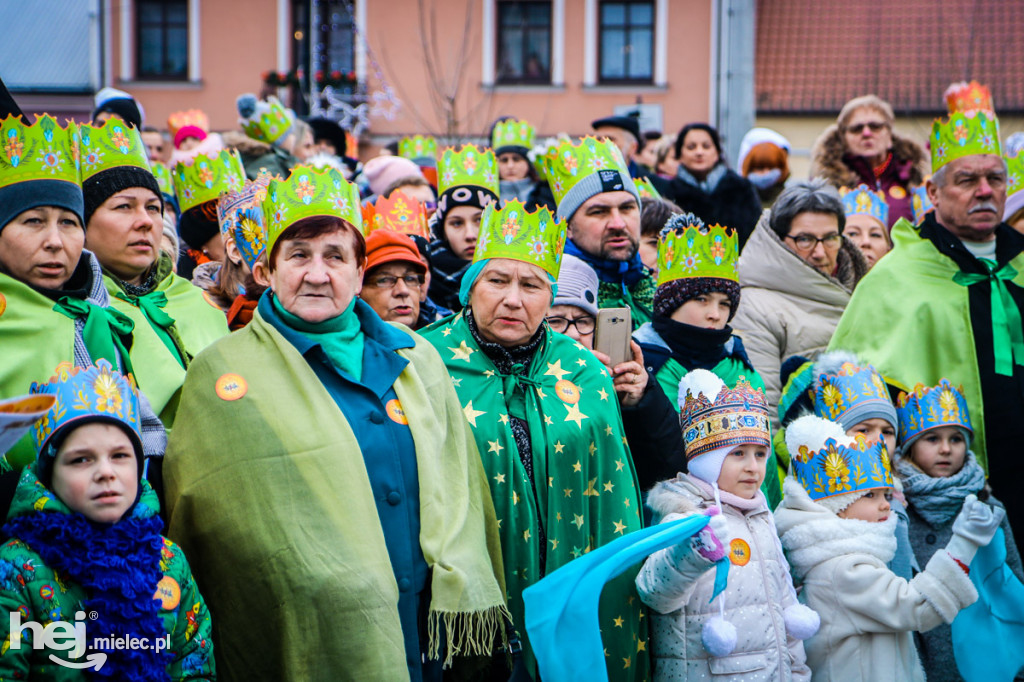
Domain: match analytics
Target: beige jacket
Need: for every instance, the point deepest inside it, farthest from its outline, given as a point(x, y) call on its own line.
point(786, 306)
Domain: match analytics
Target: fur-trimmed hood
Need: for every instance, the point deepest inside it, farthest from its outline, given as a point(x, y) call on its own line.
point(676, 496)
point(827, 159)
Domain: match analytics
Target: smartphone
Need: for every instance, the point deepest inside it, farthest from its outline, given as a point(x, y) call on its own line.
point(613, 332)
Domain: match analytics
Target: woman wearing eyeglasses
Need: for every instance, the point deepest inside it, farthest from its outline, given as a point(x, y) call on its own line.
point(393, 283)
point(861, 148)
point(796, 276)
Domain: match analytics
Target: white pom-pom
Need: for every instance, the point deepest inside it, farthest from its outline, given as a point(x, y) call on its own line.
point(812, 432)
point(802, 622)
point(832, 362)
point(719, 637)
point(699, 381)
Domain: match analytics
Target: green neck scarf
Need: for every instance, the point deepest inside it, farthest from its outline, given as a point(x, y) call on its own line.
point(107, 332)
point(1007, 335)
point(341, 337)
point(151, 304)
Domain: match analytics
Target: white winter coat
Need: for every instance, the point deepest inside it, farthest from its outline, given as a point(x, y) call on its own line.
point(867, 612)
point(679, 595)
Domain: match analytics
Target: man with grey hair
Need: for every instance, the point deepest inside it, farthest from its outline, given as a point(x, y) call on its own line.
point(797, 272)
point(946, 301)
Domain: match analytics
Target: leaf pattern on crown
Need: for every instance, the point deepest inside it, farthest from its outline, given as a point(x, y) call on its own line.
point(468, 166)
point(512, 232)
point(41, 151)
point(964, 134)
point(837, 468)
point(205, 178)
point(306, 193)
point(927, 407)
point(687, 249)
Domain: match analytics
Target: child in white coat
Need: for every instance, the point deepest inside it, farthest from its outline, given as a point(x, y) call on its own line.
point(751, 631)
point(838, 529)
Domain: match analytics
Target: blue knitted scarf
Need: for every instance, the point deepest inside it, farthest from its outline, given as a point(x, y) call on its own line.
point(625, 272)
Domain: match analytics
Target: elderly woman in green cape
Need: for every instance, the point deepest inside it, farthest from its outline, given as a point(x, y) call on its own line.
point(328, 485)
point(546, 420)
point(53, 305)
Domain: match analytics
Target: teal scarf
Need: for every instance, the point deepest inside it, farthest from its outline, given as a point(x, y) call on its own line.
point(341, 337)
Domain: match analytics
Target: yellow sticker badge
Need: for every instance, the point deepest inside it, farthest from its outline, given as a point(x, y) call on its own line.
point(567, 391)
point(168, 592)
point(739, 552)
point(3, 304)
point(395, 411)
point(897, 192)
point(231, 387)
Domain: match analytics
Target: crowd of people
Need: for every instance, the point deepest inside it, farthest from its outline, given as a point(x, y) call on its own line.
point(305, 417)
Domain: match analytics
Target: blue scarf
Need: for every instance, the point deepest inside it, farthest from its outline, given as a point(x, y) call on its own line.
point(627, 273)
point(709, 183)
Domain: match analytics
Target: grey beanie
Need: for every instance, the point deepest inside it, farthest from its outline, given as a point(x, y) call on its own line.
point(604, 180)
point(577, 285)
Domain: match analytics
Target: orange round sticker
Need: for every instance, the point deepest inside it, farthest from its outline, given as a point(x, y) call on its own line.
point(3, 304)
point(395, 411)
point(739, 552)
point(168, 592)
point(231, 387)
point(897, 192)
point(567, 391)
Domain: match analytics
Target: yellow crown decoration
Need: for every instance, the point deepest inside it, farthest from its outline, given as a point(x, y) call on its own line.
point(537, 238)
point(192, 118)
point(309, 192)
point(41, 151)
point(205, 178)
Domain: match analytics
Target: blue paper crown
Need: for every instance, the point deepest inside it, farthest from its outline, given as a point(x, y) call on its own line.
point(862, 200)
point(852, 385)
point(928, 407)
point(838, 469)
point(920, 203)
point(97, 392)
point(241, 218)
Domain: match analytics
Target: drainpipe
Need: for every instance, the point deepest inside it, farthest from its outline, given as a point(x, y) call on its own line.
point(732, 108)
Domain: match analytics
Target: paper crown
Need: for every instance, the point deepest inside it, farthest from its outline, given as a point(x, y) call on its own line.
point(510, 232)
point(95, 392)
point(567, 163)
point(963, 97)
point(920, 203)
point(269, 122)
point(205, 178)
point(241, 217)
point(927, 407)
point(839, 468)
point(862, 200)
point(688, 249)
point(646, 189)
point(468, 166)
point(111, 144)
point(41, 151)
point(512, 133)
point(306, 193)
point(963, 135)
point(398, 213)
point(163, 177)
point(418, 147)
point(851, 385)
point(1015, 173)
point(738, 416)
point(192, 117)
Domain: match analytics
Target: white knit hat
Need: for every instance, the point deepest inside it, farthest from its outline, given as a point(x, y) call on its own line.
point(577, 284)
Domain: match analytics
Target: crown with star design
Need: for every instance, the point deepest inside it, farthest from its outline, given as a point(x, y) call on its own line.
point(41, 151)
point(964, 134)
point(838, 468)
point(737, 416)
point(851, 385)
point(418, 147)
point(98, 392)
point(963, 97)
point(111, 144)
point(568, 162)
point(163, 177)
point(862, 200)
point(468, 166)
point(920, 203)
point(511, 232)
point(205, 178)
point(928, 407)
point(398, 213)
point(645, 188)
point(309, 192)
point(512, 133)
point(241, 217)
point(688, 249)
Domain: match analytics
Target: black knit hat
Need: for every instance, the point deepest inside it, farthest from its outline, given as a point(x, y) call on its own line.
point(199, 224)
point(124, 107)
point(106, 184)
point(671, 295)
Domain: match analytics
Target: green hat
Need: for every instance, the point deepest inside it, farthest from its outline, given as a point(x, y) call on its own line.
point(264, 120)
point(962, 135)
point(691, 250)
point(468, 167)
point(510, 232)
point(418, 147)
point(309, 192)
point(646, 188)
point(578, 171)
point(512, 135)
point(205, 178)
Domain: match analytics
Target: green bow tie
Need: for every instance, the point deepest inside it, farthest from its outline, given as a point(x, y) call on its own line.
point(1007, 333)
point(107, 332)
point(152, 305)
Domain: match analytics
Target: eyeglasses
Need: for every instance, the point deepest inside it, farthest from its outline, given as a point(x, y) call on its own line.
point(874, 126)
point(389, 281)
point(584, 325)
point(806, 242)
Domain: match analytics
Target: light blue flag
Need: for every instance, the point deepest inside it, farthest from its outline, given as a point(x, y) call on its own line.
point(561, 610)
point(988, 636)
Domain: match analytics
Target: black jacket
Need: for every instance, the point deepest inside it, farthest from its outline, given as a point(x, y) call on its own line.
point(655, 439)
point(734, 203)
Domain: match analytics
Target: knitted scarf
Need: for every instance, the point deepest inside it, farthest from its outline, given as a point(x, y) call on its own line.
point(625, 272)
point(938, 500)
point(341, 337)
point(710, 181)
point(446, 271)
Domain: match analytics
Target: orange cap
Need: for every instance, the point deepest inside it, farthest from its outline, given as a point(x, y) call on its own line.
point(385, 246)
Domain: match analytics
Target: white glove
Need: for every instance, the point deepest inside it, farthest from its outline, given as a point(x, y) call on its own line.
point(974, 527)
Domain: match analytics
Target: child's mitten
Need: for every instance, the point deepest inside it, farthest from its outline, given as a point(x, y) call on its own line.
point(974, 527)
point(714, 538)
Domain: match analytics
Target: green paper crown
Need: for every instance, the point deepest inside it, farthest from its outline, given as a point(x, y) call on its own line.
point(1015, 173)
point(468, 167)
point(510, 232)
point(512, 133)
point(112, 144)
point(309, 192)
point(163, 177)
point(645, 188)
point(963, 135)
point(688, 249)
point(205, 178)
point(568, 163)
point(269, 122)
point(418, 147)
point(42, 151)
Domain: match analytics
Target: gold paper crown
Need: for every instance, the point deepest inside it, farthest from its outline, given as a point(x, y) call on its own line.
point(738, 416)
point(398, 213)
point(309, 192)
point(191, 117)
point(963, 97)
point(41, 151)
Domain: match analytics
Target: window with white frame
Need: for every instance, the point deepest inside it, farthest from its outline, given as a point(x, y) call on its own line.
point(626, 36)
point(523, 41)
point(162, 39)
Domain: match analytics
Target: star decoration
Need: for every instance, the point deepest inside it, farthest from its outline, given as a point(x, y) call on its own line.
point(515, 498)
point(471, 414)
point(641, 645)
point(554, 544)
point(555, 370)
point(619, 464)
point(618, 620)
point(578, 520)
point(503, 419)
point(626, 662)
point(551, 481)
point(567, 491)
point(627, 501)
point(540, 393)
point(494, 446)
point(548, 420)
point(462, 352)
point(592, 448)
point(526, 534)
point(576, 552)
point(608, 486)
point(489, 373)
point(447, 332)
point(608, 430)
point(581, 362)
point(603, 393)
point(500, 478)
point(590, 491)
point(620, 527)
point(574, 415)
point(558, 516)
point(624, 441)
point(559, 447)
point(457, 383)
point(577, 466)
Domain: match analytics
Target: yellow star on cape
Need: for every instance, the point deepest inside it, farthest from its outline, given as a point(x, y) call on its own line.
point(500, 478)
point(489, 373)
point(548, 420)
point(559, 447)
point(526, 534)
point(554, 544)
point(618, 620)
point(626, 662)
point(540, 393)
point(581, 362)
point(494, 446)
point(608, 430)
point(471, 414)
point(590, 491)
point(619, 464)
point(558, 516)
point(624, 442)
point(457, 382)
point(603, 393)
point(641, 645)
point(608, 486)
point(578, 520)
point(574, 415)
point(515, 497)
point(555, 370)
point(577, 466)
point(567, 491)
point(551, 481)
point(503, 419)
point(592, 448)
point(620, 527)
point(462, 352)
point(447, 332)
